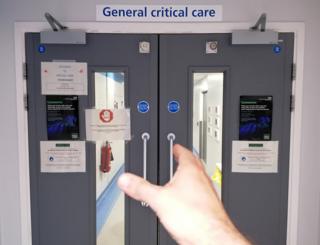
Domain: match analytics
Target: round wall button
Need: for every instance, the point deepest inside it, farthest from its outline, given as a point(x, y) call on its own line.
point(143, 106)
point(173, 106)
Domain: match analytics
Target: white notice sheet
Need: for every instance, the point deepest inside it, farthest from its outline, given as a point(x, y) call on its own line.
point(108, 124)
point(255, 156)
point(64, 78)
point(63, 156)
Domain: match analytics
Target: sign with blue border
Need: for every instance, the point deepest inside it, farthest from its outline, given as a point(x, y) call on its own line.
point(277, 49)
point(143, 106)
point(159, 13)
point(41, 49)
point(173, 106)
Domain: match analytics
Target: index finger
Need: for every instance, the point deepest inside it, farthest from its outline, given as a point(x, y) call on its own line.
point(184, 157)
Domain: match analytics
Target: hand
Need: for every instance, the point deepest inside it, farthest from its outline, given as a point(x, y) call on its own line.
point(187, 206)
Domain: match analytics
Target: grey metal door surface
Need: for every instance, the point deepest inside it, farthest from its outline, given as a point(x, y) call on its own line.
point(63, 205)
point(257, 202)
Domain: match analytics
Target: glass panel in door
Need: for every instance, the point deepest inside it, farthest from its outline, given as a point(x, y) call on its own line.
point(110, 158)
point(207, 123)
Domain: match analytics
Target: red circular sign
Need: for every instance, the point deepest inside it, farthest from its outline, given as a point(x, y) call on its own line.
point(106, 116)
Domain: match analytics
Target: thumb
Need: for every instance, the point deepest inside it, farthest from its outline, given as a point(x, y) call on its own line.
point(138, 188)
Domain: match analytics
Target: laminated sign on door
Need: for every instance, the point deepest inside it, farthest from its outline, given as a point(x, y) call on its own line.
point(64, 78)
point(63, 156)
point(107, 124)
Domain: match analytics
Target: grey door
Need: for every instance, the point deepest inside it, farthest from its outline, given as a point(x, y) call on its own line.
point(64, 206)
point(257, 202)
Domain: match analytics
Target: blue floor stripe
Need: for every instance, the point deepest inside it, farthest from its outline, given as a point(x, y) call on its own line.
point(107, 199)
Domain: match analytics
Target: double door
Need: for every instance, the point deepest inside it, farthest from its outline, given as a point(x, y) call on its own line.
point(185, 89)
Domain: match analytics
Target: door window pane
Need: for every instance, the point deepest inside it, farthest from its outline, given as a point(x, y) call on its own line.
point(207, 123)
point(110, 158)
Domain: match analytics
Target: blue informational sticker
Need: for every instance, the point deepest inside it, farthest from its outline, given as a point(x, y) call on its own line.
point(143, 106)
point(276, 49)
point(173, 106)
point(41, 49)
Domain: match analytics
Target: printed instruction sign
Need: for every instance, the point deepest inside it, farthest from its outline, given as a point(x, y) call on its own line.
point(63, 156)
point(255, 156)
point(108, 124)
point(64, 78)
point(255, 118)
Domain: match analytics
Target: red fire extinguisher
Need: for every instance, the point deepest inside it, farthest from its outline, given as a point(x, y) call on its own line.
point(106, 158)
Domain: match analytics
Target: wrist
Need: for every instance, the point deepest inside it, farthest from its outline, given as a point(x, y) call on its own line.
point(221, 232)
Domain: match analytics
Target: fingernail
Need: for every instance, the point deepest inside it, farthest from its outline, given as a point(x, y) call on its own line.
point(123, 182)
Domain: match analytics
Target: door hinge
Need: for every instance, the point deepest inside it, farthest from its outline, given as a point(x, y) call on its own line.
point(26, 102)
point(294, 72)
point(25, 71)
point(292, 102)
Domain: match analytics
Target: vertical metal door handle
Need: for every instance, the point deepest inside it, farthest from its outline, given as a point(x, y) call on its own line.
point(171, 137)
point(145, 137)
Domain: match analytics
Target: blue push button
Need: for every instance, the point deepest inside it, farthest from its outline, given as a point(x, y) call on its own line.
point(173, 106)
point(143, 106)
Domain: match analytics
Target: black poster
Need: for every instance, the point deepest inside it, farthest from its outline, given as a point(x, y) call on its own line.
point(255, 118)
point(62, 117)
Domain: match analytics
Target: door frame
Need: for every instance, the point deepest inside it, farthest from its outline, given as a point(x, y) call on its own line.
point(159, 28)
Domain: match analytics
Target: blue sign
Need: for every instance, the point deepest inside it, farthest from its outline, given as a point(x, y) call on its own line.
point(173, 106)
point(159, 13)
point(143, 106)
point(41, 49)
point(277, 49)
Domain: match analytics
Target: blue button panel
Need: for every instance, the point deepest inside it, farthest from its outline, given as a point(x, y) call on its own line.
point(173, 106)
point(143, 106)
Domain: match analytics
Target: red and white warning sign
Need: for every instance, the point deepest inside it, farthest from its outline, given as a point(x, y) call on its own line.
point(106, 115)
point(107, 124)
point(64, 78)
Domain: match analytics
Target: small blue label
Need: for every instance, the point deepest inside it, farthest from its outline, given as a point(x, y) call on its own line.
point(41, 49)
point(277, 49)
point(143, 106)
point(173, 106)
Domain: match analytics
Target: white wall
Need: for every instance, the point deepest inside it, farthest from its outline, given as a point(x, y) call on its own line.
point(213, 84)
point(214, 145)
point(196, 118)
point(242, 11)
